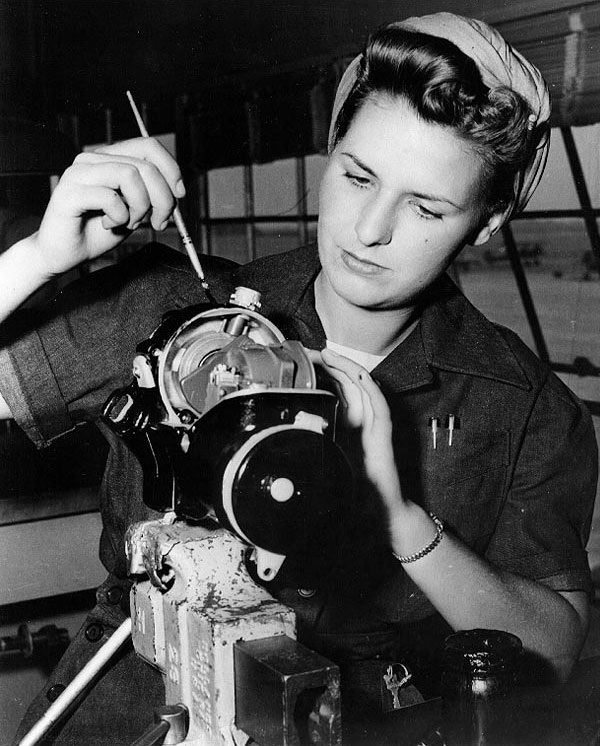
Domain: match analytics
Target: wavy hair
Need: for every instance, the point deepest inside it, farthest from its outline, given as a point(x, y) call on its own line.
point(444, 86)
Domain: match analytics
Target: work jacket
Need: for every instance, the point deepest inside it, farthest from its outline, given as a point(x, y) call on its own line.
point(514, 480)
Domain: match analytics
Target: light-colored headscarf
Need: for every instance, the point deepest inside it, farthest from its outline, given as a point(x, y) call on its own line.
point(499, 65)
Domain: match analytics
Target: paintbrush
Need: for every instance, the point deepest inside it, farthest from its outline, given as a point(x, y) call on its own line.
point(177, 217)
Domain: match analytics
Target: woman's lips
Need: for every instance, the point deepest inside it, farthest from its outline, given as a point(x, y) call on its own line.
point(360, 266)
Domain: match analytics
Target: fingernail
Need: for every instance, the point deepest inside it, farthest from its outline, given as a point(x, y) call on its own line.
point(179, 189)
point(135, 226)
point(107, 223)
point(162, 226)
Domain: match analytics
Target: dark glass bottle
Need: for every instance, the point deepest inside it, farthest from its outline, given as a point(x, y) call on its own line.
point(479, 666)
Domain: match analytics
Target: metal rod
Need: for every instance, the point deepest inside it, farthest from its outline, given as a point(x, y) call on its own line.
point(528, 304)
point(74, 689)
point(108, 125)
point(554, 214)
point(76, 131)
point(154, 736)
point(205, 221)
point(249, 211)
point(312, 217)
point(301, 198)
point(253, 125)
point(589, 215)
point(260, 219)
point(171, 725)
point(593, 406)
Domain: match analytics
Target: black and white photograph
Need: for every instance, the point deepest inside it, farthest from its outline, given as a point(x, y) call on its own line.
point(299, 372)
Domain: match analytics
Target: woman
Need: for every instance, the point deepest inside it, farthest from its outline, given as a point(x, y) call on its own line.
point(477, 467)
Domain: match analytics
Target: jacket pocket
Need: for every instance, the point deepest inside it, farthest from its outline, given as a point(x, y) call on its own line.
point(465, 481)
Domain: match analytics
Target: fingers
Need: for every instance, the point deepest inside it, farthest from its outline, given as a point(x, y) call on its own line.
point(375, 422)
point(348, 371)
point(378, 406)
point(128, 185)
point(150, 150)
point(140, 171)
point(101, 197)
point(356, 382)
point(313, 355)
point(342, 369)
point(345, 373)
point(72, 198)
point(140, 185)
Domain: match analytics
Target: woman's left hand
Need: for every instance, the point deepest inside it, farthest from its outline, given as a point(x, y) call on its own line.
point(365, 408)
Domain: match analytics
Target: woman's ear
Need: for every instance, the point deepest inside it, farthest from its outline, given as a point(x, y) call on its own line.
point(485, 231)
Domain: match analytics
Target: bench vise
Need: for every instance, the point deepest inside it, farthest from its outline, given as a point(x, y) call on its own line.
point(225, 646)
point(238, 449)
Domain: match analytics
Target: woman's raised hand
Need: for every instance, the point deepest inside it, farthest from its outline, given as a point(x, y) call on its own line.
point(365, 407)
point(101, 198)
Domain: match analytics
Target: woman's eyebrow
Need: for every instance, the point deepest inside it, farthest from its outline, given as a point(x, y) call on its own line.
point(435, 198)
point(420, 195)
point(359, 163)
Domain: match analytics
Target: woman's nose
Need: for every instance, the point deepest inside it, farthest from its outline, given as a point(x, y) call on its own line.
point(375, 223)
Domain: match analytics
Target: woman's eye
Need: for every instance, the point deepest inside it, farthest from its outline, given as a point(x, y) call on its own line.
point(359, 181)
point(424, 213)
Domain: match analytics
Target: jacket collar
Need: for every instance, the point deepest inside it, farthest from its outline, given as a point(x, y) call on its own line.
point(451, 335)
point(457, 337)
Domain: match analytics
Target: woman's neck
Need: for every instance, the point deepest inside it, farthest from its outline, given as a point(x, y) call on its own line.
point(376, 331)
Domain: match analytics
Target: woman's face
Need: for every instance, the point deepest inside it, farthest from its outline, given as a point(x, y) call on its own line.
point(398, 200)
